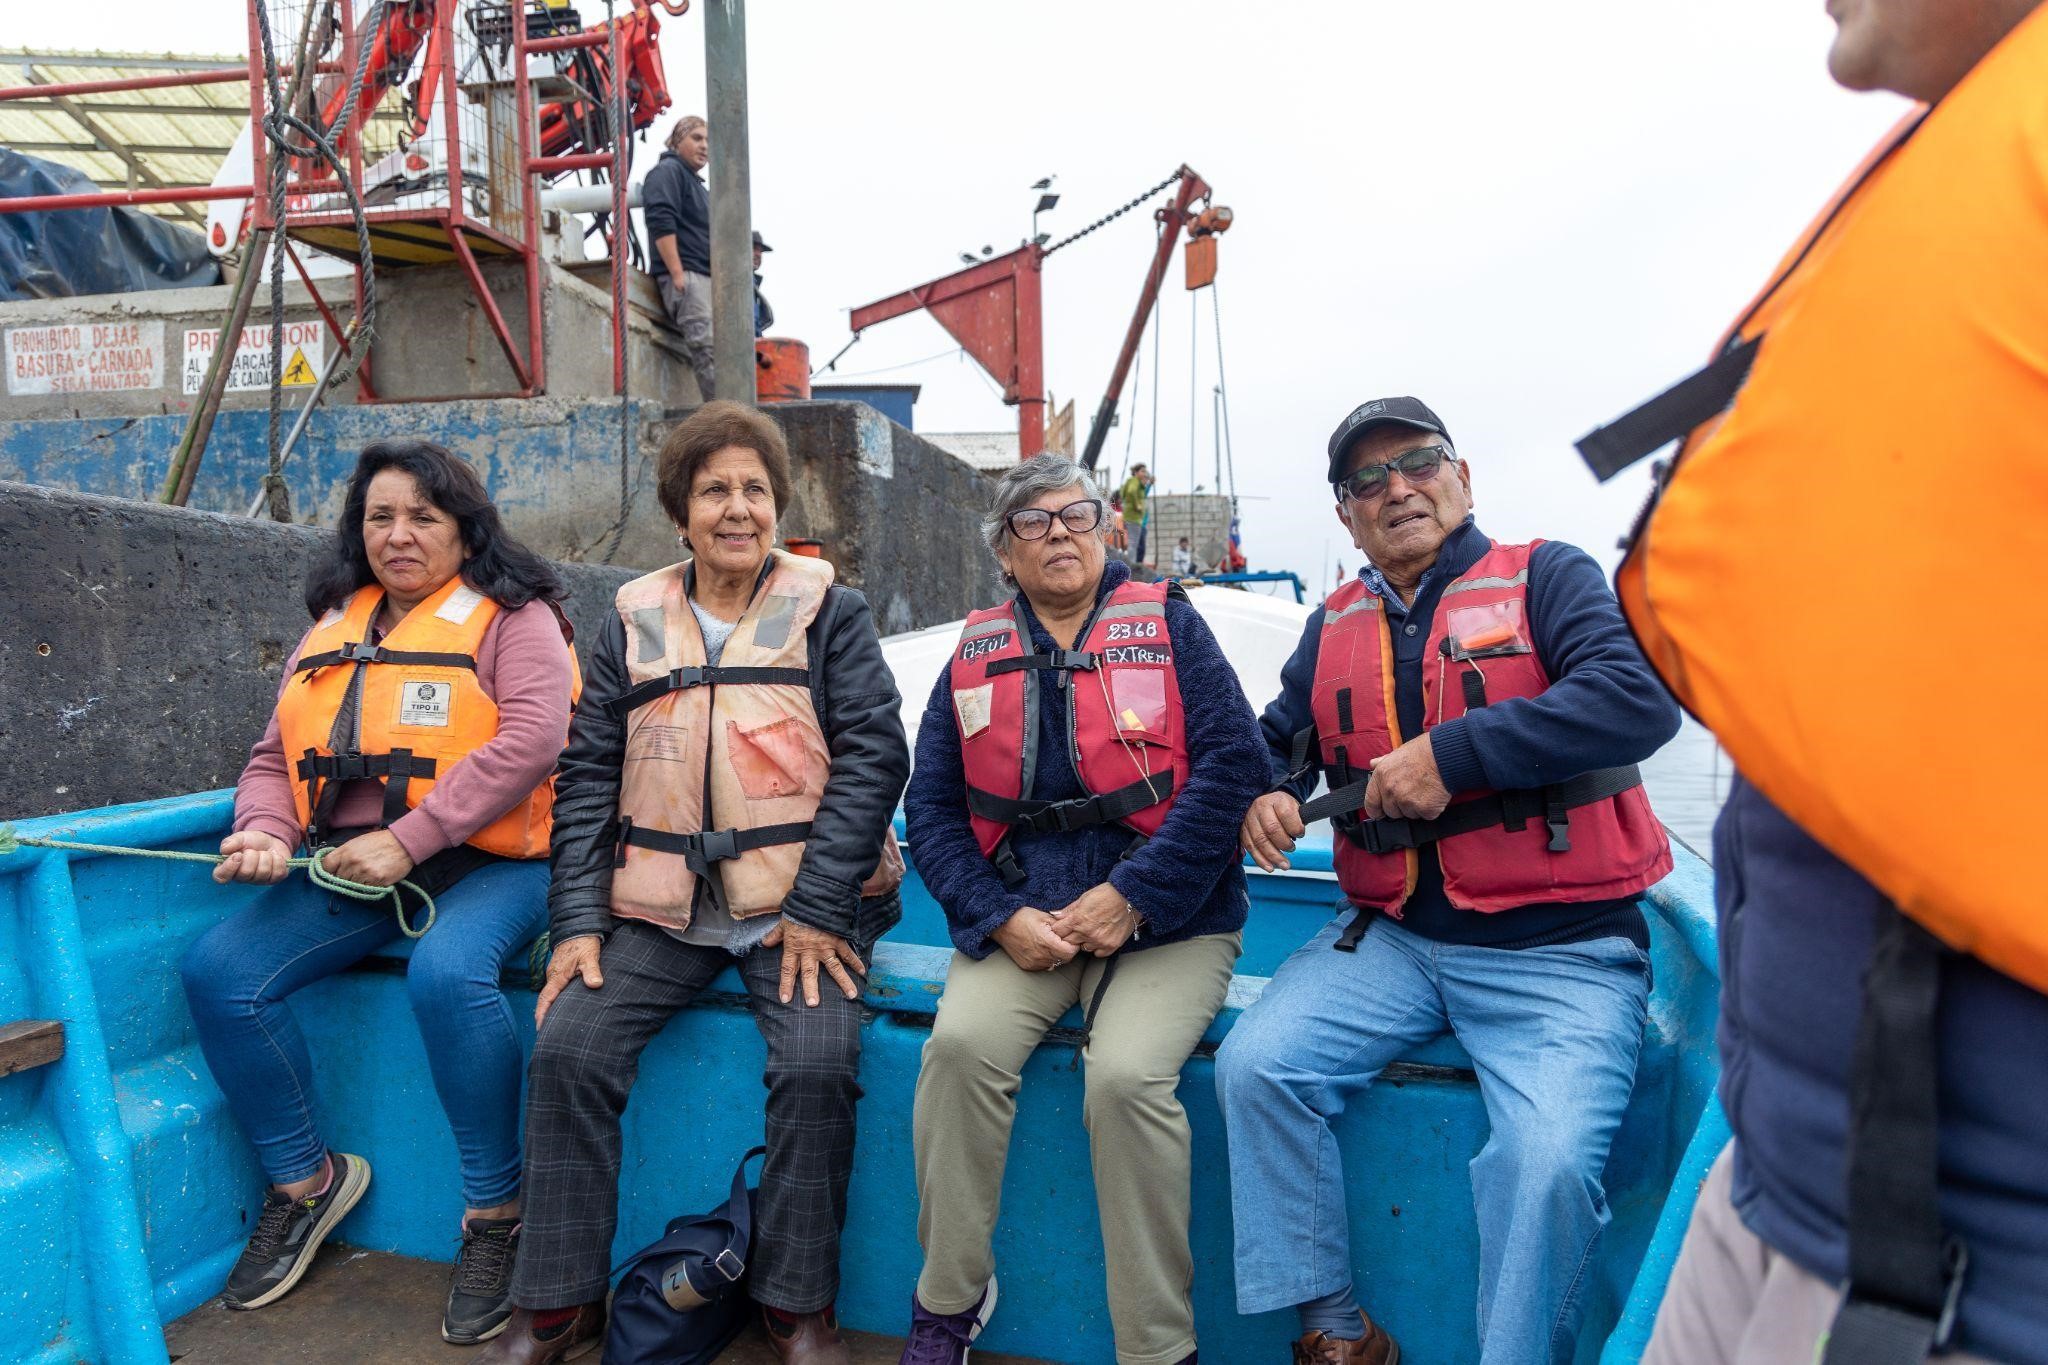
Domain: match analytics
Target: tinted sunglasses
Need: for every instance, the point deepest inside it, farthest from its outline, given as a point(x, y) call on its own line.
point(1416, 466)
point(1035, 523)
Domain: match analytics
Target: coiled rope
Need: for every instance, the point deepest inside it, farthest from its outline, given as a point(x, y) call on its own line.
point(316, 871)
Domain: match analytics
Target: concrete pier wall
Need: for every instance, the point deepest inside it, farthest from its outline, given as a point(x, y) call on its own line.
point(142, 646)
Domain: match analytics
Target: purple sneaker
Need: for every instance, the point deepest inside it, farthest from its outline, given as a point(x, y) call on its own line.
point(943, 1339)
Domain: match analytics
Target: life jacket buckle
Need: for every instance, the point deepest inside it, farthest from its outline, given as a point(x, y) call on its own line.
point(719, 845)
point(1388, 834)
point(681, 678)
point(361, 652)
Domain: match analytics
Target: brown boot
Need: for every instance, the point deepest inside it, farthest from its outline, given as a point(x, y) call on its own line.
point(1374, 1348)
point(519, 1345)
point(811, 1339)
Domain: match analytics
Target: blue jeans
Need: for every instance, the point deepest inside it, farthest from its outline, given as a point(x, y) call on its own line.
point(1553, 1034)
point(240, 972)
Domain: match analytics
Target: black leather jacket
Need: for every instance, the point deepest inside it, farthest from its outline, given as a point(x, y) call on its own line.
point(859, 708)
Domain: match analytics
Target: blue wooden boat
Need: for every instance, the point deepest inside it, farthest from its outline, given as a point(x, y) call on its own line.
point(126, 1190)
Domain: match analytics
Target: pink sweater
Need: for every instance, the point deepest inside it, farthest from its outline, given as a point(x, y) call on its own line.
point(520, 665)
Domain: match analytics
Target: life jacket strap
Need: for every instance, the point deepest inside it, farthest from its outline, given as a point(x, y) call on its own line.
point(705, 847)
point(395, 770)
point(363, 652)
point(1905, 1273)
point(679, 679)
point(1070, 660)
point(1048, 817)
point(1671, 415)
point(1511, 810)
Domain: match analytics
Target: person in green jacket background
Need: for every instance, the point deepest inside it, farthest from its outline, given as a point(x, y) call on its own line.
point(1131, 498)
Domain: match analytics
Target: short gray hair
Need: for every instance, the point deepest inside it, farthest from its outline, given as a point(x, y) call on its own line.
point(1025, 483)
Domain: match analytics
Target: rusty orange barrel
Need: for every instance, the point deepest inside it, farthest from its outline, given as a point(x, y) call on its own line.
point(782, 370)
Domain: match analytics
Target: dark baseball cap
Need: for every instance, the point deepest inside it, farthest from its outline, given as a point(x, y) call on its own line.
point(1380, 412)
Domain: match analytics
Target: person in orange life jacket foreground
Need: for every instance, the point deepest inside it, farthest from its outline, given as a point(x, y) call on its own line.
point(1082, 766)
point(415, 731)
point(726, 798)
point(1940, 1224)
point(1493, 834)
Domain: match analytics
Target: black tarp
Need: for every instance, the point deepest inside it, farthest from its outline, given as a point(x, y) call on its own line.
point(88, 251)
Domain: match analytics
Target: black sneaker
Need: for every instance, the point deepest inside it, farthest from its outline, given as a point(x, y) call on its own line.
point(480, 1291)
point(280, 1251)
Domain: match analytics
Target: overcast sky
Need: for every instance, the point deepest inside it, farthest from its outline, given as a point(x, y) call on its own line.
point(1532, 217)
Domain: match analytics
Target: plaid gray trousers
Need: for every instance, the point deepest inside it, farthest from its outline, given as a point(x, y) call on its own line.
point(584, 1063)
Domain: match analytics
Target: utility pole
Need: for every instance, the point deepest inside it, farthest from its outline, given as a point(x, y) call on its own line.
point(732, 220)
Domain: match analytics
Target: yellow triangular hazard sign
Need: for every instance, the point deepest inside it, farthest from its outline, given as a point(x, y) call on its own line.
point(298, 373)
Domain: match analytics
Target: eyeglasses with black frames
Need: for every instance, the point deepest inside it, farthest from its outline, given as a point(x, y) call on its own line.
point(1035, 523)
point(1416, 466)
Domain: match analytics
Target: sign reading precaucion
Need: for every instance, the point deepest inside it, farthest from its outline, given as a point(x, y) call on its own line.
point(305, 352)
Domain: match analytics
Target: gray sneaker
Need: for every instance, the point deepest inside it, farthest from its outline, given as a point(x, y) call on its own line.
point(943, 1338)
point(480, 1289)
point(289, 1231)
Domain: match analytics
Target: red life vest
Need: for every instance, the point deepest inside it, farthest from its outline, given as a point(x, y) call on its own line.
point(1590, 838)
point(1127, 733)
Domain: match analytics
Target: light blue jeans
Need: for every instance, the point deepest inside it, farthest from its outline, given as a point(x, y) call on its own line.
point(241, 972)
point(1553, 1034)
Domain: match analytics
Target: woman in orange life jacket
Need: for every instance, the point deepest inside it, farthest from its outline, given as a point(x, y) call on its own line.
point(726, 799)
point(416, 728)
point(1079, 765)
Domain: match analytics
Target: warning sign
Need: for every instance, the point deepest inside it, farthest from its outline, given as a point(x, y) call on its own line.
point(85, 357)
point(305, 354)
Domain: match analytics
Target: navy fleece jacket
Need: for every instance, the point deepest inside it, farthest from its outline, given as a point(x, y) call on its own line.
point(1604, 708)
point(1187, 881)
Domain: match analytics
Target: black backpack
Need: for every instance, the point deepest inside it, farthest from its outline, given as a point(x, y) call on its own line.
point(683, 1299)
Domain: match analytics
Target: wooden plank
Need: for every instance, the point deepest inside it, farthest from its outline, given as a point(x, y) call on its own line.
point(30, 1043)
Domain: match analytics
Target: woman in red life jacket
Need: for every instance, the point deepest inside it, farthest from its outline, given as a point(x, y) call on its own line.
point(416, 729)
point(726, 798)
point(1079, 767)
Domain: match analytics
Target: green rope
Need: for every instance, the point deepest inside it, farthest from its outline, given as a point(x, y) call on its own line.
point(315, 870)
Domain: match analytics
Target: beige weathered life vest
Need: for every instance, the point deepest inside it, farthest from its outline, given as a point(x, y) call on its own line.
point(743, 737)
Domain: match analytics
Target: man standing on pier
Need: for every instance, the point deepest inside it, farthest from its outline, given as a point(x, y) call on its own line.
point(678, 209)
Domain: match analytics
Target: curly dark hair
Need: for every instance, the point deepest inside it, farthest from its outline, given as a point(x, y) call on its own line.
point(498, 566)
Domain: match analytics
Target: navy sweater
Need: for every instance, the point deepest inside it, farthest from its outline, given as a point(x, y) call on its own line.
point(1187, 881)
point(1604, 708)
point(677, 205)
point(1797, 925)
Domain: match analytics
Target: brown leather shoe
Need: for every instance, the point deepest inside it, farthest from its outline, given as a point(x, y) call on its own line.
point(517, 1344)
point(813, 1339)
point(1374, 1348)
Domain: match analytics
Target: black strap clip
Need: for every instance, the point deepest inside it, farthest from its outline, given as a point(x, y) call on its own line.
point(1388, 834)
point(1078, 660)
point(718, 845)
point(624, 830)
point(681, 678)
point(1347, 941)
point(361, 652)
point(1007, 867)
point(1557, 817)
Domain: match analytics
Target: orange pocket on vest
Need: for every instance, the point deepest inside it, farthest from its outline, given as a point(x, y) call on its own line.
point(1486, 631)
point(1138, 696)
point(768, 759)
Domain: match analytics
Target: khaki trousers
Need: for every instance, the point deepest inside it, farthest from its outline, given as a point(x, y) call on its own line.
point(1734, 1301)
point(991, 1017)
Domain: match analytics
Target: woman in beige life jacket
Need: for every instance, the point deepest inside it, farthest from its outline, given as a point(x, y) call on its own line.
point(726, 796)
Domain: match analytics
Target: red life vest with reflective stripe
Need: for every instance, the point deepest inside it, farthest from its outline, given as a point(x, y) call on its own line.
point(1127, 731)
point(1481, 651)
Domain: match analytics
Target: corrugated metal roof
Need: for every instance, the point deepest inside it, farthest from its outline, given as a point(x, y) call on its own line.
point(173, 136)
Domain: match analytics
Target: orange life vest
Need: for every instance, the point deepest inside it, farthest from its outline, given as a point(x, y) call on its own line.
point(1590, 838)
point(1862, 502)
point(421, 712)
point(724, 766)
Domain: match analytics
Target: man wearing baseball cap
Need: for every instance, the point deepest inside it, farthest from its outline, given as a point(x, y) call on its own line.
point(1477, 710)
